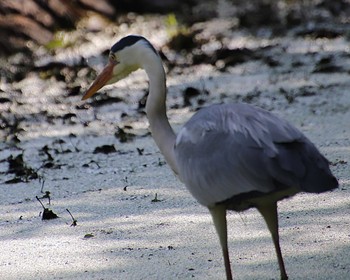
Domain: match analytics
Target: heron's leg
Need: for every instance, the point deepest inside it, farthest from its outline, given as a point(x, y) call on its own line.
point(269, 212)
point(218, 213)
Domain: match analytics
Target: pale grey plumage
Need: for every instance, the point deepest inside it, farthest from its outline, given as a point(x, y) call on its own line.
point(229, 150)
point(231, 157)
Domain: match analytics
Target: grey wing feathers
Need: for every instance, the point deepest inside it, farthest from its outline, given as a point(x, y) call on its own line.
point(229, 150)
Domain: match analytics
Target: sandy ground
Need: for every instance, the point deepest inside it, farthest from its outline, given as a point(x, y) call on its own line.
point(122, 232)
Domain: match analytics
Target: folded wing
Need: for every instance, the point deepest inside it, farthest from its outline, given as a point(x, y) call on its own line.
point(240, 151)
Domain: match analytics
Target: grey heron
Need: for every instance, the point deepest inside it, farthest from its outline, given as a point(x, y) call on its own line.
point(229, 156)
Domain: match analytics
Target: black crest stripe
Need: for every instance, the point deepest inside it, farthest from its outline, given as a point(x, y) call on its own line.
point(129, 41)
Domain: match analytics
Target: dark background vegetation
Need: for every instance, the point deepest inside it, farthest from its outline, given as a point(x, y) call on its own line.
point(37, 20)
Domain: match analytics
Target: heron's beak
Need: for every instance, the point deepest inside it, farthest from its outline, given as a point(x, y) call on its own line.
point(101, 80)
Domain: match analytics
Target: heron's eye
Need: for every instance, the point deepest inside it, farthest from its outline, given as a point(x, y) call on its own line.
point(113, 57)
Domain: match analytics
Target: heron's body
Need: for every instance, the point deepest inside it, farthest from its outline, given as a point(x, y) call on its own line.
point(230, 157)
point(242, 152)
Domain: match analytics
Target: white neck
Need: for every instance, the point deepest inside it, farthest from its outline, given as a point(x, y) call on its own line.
point(161, 130)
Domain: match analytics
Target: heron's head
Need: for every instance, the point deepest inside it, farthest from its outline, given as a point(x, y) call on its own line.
point(126, 56)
